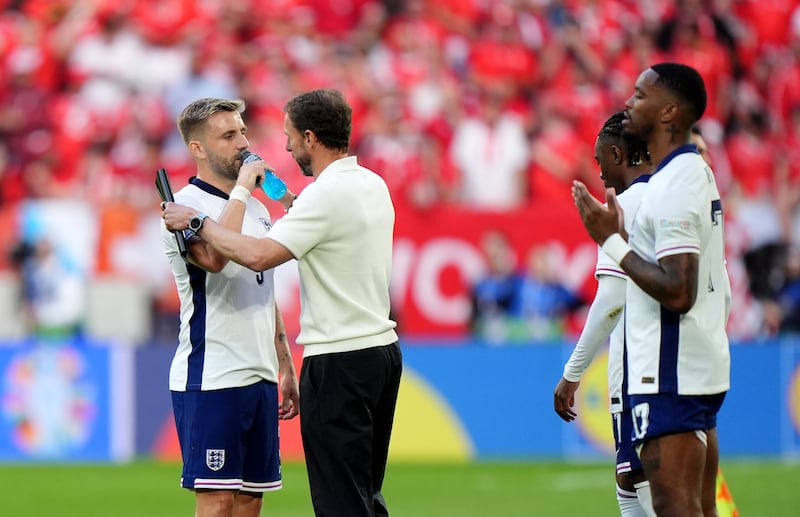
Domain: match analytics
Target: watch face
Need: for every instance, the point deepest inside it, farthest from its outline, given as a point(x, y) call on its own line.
point(196, 222)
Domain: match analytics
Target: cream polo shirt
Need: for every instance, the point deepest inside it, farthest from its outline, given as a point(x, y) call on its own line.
point(340, 231)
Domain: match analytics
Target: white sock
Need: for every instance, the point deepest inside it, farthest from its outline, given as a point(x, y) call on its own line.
point(644, 498)
point(629, 504)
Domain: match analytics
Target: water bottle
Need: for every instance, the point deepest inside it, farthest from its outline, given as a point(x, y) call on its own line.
point(274, 187)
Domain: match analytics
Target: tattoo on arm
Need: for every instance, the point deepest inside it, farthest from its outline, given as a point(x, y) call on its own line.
point(673, 281)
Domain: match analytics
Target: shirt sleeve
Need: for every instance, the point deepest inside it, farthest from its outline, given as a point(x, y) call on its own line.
point(606, 266)
point(306, 224)
point(677, 222)
point(603, 316)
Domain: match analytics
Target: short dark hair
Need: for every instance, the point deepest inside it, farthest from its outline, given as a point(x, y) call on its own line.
point(635, 148)
point(195, 114)
point(686, 83)
point(324, 112)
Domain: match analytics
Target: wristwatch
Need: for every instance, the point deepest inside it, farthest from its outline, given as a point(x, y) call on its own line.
point(196, 222)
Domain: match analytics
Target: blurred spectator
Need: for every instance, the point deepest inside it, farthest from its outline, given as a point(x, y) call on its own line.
point(753, 154)
point(393, 145)
point(638, 51)
point(494, 295)
point(509, 306)
point(490, 153)
point(11, 190)
point(784, 80)
point(712, 60)
point(53, 289)
point(208, 76)
point(788, 195)
point(106, 62)
point(499, 58)
point(558, 156)
point(782, 315)
point(24, 124)
point(769, 21)
point(543, 302)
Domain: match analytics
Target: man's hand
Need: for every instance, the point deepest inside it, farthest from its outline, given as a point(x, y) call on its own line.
point(564, 399)
point(601, 221)
point(290, 396)
point(176, 216)
point(252, 174)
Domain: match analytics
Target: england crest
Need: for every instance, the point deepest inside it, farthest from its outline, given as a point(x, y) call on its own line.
point(215, 458)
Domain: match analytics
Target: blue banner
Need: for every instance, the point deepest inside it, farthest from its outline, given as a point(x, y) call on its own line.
point(57, 402)
point(78, 401)
point(502, 399)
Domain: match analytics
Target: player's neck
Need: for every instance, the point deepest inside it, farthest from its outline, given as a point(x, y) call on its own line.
point(632, 173)
point(323, 158)
point(215, 180)
point(667, 142)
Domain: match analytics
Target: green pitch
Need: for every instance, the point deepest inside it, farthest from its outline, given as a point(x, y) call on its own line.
point(542, 489)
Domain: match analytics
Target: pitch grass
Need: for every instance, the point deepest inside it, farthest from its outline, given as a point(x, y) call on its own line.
point(486, 489)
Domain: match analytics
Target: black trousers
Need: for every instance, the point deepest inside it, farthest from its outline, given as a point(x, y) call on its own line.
point(347, 403)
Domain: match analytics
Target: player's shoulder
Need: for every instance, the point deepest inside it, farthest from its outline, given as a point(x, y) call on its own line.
point(632, 196)
point(188, 192)
point(685, 166)
point(193, 196)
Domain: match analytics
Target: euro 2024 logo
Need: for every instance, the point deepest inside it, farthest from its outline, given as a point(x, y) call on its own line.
point(48, 400)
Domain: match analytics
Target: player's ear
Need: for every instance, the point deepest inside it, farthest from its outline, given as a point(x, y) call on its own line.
point(669, 112)
point(196, 149)
point(617, 154)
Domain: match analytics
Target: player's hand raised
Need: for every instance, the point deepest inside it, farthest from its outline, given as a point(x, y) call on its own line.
point(601, 221)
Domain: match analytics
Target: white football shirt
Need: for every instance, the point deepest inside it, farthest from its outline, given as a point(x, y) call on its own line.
point(227, 319)
point(685, 354)
point(630, 201)
point(586, 349)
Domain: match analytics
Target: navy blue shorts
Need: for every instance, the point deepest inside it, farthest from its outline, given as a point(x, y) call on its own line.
point(229, 438)
point(660, 415)
point(627, 459)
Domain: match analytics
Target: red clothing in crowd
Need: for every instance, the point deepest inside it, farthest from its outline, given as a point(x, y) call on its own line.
point(752, 161)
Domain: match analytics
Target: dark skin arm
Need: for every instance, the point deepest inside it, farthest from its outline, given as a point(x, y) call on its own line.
point(564, 399)
point(672, 282)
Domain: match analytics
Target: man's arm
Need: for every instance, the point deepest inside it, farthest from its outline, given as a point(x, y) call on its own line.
point(672, 282)
point(603, 316)
point(290, 391)
point(256, 254)
point(202, 254)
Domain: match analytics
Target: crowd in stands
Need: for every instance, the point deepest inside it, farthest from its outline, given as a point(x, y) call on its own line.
point(489, 105)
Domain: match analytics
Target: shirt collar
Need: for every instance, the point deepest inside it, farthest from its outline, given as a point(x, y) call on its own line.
point(685, 148)
point(211, 189)
point(347, 163)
